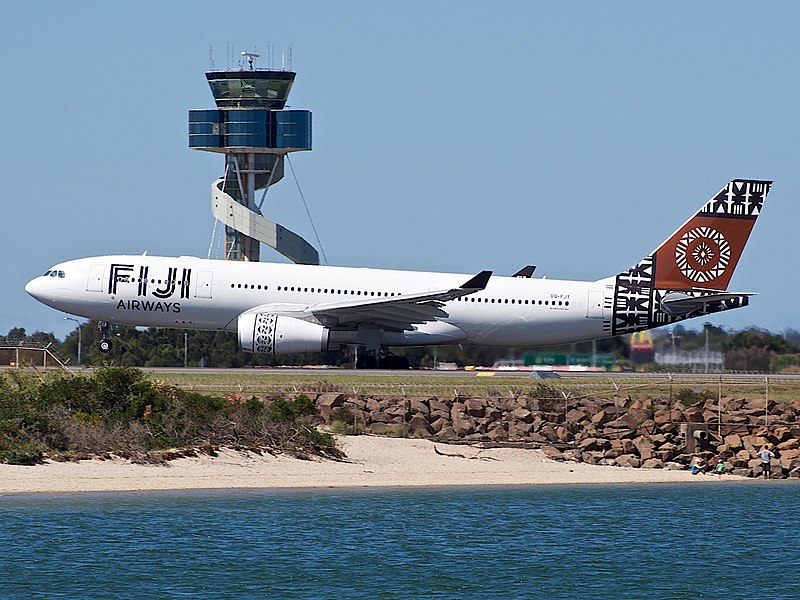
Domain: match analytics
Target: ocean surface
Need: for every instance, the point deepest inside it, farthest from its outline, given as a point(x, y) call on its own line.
point(714, 540)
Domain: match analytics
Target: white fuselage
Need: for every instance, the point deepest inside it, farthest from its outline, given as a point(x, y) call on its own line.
point(193, 293)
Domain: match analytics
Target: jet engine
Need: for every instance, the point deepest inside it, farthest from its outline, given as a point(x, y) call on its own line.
point(267, 333)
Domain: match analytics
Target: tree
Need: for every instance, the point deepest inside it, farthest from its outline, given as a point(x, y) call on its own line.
point(753, 350)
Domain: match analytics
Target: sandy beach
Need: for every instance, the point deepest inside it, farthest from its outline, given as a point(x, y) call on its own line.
point(371, 462)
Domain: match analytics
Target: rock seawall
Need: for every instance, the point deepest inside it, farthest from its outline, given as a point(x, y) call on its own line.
point(622, 431)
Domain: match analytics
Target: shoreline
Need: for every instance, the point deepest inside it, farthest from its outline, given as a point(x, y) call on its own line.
point(372, 462)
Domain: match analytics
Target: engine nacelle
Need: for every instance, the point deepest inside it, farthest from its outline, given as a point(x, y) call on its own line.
point(266, 333)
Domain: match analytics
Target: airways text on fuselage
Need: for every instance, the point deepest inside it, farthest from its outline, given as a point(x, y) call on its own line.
point(121, 279)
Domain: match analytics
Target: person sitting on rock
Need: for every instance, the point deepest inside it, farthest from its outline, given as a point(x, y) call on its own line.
point(698, 465)
point(719, 468)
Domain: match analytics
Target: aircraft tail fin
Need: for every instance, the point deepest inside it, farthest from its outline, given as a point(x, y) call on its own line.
point(698, 260)
point(704, 251)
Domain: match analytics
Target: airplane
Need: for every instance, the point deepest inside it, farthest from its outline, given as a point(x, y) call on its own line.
point(282, 309)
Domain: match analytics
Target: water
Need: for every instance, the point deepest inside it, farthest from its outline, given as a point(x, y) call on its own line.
point(650, 541)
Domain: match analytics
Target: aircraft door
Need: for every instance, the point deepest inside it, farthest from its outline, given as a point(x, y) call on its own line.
point(594, 305)
point(96, 277)
point(203, 284)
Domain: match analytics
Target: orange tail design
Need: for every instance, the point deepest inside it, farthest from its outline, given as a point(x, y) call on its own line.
point(704, 251)
point(688, 274)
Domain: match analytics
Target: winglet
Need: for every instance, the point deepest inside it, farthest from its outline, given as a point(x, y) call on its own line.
point(478, 282)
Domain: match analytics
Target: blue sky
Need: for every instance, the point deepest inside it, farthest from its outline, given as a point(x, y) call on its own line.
point(448, 136)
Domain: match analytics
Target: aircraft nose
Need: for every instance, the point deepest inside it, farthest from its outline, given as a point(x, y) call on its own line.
point(34, 287)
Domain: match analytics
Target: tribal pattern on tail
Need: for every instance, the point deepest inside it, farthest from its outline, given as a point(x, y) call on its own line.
point(637, 303)
point(696, 260)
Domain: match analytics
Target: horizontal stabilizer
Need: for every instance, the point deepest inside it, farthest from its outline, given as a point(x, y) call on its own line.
point(683, 303)
point(525, 272)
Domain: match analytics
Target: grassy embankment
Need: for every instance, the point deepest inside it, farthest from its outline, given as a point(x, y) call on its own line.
point(121, 411)
point(261, 383)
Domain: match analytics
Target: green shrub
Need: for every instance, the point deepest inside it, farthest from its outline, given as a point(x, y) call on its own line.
point(284, 411)
point(115, 385)
point(396, 431)
point(77, 393)
point(280, 411)
point(344, 422)
point(317, 437)
point(14, 452)
point(202, 407)
point(254, 406)
point(303, 405)
point(117, 410)
point(88, 418)
point(687, 396)
point(785, 363)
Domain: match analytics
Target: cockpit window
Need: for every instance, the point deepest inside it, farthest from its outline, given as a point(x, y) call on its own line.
point(55, 273)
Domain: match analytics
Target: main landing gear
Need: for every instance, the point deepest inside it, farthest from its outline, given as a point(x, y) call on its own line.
point(382, 359)
point(105, 343)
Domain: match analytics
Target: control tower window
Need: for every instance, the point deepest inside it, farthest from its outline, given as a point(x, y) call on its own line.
point(234, 88)
point(271, 89)
point(220, 88)
point(268, 89)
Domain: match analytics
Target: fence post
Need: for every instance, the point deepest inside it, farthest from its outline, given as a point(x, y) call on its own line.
point(719, 409)
point(671, 378)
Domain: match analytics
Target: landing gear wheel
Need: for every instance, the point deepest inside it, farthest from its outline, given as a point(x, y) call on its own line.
point(392, 361)
point(366, 362)
point(105, 346)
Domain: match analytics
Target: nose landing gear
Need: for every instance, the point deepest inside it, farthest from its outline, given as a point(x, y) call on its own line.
point(105, 343)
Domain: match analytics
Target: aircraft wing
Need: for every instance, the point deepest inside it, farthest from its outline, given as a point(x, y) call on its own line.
point(398, 313)
point(682, 303)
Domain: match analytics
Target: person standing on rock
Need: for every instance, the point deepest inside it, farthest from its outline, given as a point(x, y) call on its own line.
point(766, 457)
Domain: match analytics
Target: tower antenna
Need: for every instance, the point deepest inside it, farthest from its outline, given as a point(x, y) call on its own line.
point(251, 57)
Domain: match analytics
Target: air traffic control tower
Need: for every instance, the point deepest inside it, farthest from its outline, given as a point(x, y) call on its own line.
point(254, 132)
